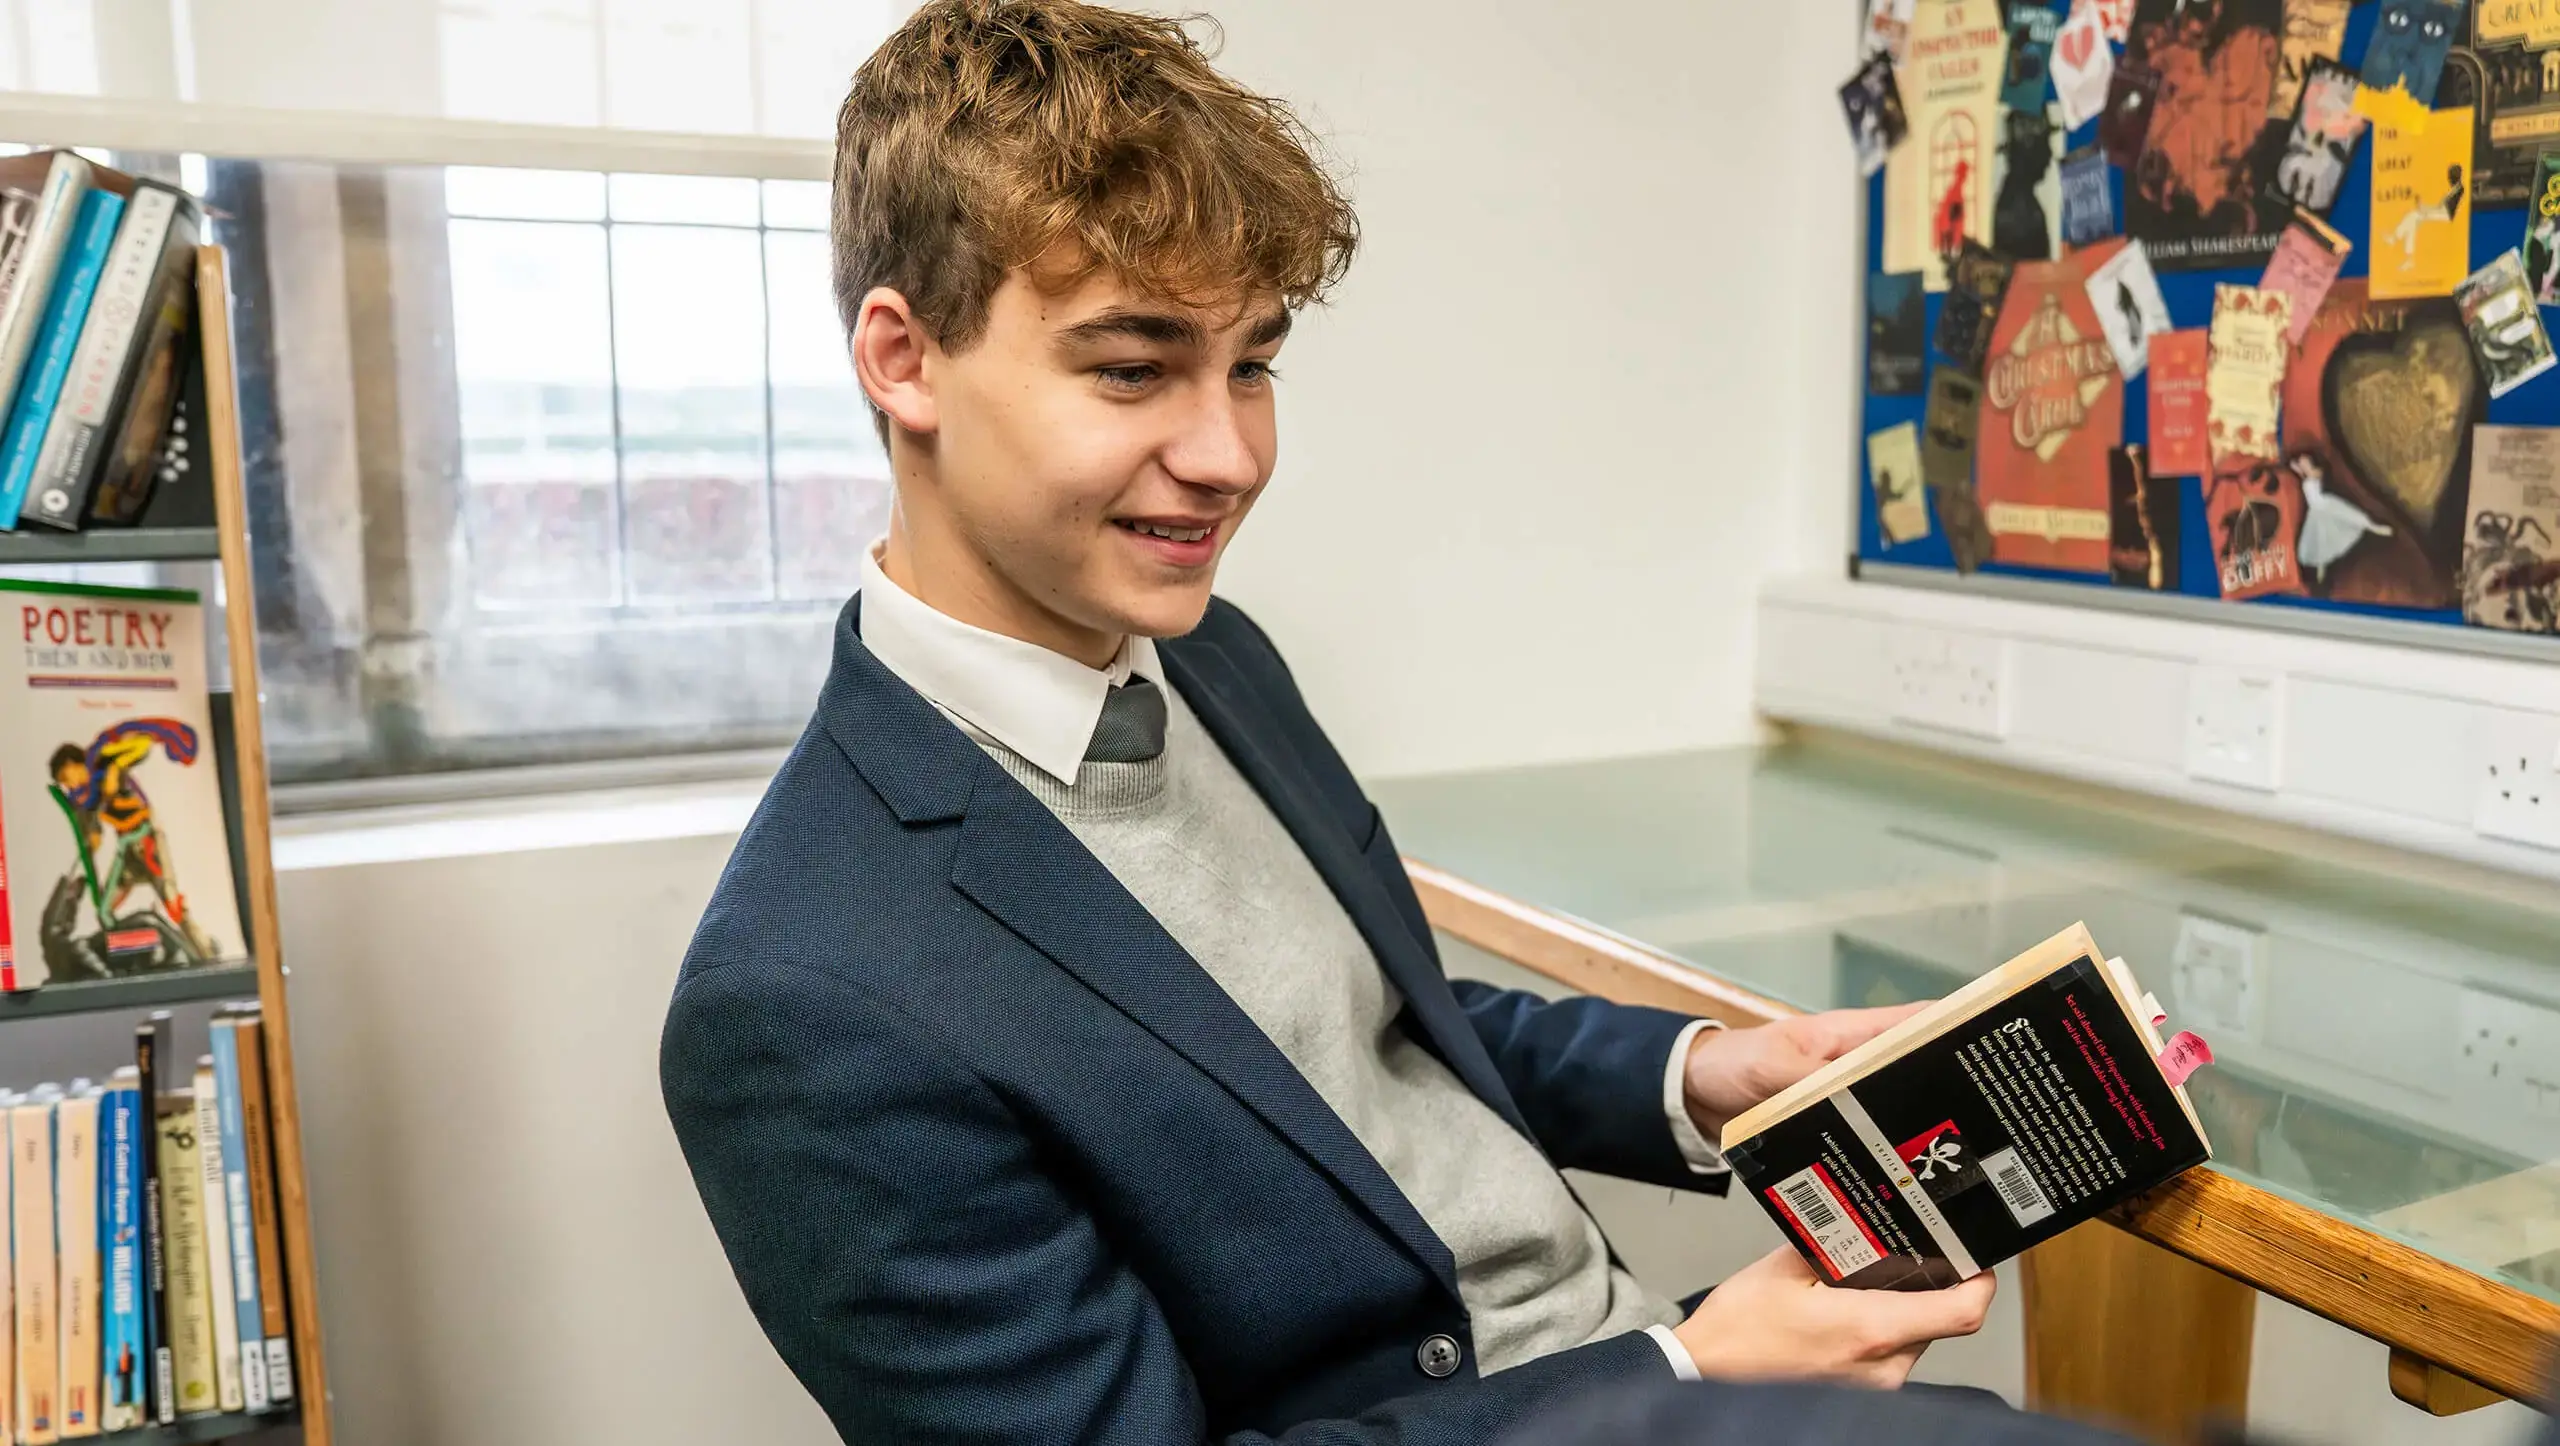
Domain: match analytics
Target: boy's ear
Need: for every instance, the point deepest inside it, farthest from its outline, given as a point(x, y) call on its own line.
point(889, 350)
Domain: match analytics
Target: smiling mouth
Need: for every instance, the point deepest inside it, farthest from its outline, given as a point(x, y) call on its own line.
point(1169, 534)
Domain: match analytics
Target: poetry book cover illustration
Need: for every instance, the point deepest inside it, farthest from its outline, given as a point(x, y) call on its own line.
point(2511, 553)
point(2505, 324)
point(2247, 348)
point(2142, 540)
point(1893, 467)
point(114, 856)
point(2176, 378)
point(2052, 408)
point(2326, 129)
point(1897, 340)
point(2421, 234)
point(2379, 408)
point(2211, 149)
point(1937, 186)
point(2024, 1103)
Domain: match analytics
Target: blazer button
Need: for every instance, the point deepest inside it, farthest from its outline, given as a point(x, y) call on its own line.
point(1438, 1357)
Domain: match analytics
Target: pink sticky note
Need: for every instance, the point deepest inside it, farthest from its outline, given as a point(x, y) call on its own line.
point(2185, 1055)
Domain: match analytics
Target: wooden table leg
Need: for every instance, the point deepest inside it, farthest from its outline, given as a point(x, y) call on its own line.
point(2126, 1334)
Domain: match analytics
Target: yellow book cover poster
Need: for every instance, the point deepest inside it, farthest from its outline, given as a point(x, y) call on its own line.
point(183, 1253)
point(2422, 206)
point(1937, 182)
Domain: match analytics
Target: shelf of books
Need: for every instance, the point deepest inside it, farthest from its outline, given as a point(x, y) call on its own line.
point(157, 1276)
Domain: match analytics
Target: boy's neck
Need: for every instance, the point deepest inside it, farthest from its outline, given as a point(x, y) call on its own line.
point(941, 571)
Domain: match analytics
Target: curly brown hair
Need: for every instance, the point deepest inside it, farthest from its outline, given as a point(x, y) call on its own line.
point(987, 135)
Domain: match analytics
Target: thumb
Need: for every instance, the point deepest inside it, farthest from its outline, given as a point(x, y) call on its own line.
point(1920, 1316)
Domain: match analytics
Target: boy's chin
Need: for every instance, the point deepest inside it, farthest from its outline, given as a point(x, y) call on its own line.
point(1164, 612)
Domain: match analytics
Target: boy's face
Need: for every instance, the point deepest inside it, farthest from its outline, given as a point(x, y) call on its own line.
point(1088, 459)
point(72, 776)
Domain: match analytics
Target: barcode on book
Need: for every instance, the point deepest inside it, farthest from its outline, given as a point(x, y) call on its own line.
point(1826, 1221)
point(2018, 1189)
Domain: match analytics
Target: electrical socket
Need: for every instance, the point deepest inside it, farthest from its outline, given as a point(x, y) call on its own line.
point(2233, 721)
point(1956, 682)
point(2509, 1051)
point(2214, 976)
point(2518, 755)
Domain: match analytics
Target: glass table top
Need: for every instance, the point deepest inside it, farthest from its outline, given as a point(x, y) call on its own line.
point(2388, 1049)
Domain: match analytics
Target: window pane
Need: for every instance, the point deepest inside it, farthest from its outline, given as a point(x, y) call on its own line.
point(689, 344)
point(524, 195)
point(830, 478)
point(698, 200)
point(796, 205)
point(533, 368)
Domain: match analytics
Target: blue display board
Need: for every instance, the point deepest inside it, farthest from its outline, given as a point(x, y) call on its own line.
point(2190, 296)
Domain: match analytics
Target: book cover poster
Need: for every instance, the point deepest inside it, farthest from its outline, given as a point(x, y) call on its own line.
point(2305, 266)
point(2088, 201)
point(2409, 44)
point(1888, 31)
point(1873, 107)
point(2314, 32)
point(2052, 408)
point(2511, 550)
point(2505, 324)
point(2542, 230)
point(2192, 197)
point(2379, 408)
point(1937, 186)
point(1976, 282)
point(2026, 215)
point(1948, 440)
point(2176, 380)
point(2130, 308)
point(2024, 85)
point(2116, 16)
point(1897, 342)
point(2326, 129)
point(2127, 123)
point(2421, 232)
point(2245, 366)
point(2253, 508)
point(1893, 468)
point(2142, 523)
point(2515, 49)
point(2083, 66)
point(118, 860)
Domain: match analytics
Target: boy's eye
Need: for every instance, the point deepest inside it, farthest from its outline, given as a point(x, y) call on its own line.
point(1254, 373)
point(1130, 378)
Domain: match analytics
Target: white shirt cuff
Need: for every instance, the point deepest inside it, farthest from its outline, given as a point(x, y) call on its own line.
point(1681, 1365)
point(1704, 1158)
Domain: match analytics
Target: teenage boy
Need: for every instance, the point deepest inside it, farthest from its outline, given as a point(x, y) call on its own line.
point(1064, 1056)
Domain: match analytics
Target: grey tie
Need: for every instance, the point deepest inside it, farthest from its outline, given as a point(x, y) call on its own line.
point(1132, 726)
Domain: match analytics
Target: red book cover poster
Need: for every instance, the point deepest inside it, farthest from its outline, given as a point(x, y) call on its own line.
point(2052, 410)
point(2379, 407)
point(2176, 375)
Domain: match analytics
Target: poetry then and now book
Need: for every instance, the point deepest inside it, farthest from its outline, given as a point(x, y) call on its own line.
point(2017, 1107)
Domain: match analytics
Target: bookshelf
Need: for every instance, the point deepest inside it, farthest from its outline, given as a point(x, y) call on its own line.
point(197, 528)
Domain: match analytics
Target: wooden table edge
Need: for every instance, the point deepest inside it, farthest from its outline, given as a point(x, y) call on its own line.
point(2482, 1330)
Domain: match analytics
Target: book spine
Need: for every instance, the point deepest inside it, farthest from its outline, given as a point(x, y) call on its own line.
point(10, 978)
point(161, 1379)
point(17, 226)
point(76, 1220)
point(241, 1231)
point(215, 1211)
point(8, 1289)
point(256, 1138)
point(38, 1306)
point(126, 461)
point(57, 217)
point(103, 363)
point(57, 338)
point(125, 1355)
point(190, 1292)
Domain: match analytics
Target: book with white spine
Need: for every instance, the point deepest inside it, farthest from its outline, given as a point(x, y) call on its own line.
point(38, 1305)
point(75, 1191)
point(217, 1240)
point(59, 180)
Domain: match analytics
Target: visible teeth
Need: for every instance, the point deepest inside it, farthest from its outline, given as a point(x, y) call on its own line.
point(1173, 534)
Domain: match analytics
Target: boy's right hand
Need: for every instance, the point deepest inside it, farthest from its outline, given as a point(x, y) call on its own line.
point(1775, 1319)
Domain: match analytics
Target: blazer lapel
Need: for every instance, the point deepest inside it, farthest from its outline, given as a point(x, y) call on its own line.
point(1210, 685)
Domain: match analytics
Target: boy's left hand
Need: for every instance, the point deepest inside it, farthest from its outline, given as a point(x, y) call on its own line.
point(1730, 1070)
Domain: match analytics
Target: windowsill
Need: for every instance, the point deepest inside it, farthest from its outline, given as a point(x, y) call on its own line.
point(524, 822)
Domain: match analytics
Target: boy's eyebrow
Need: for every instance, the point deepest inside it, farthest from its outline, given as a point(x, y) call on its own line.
point(1160, 327)
point(1270, 329)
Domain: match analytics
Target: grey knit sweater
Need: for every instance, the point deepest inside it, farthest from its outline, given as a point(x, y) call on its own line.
point(1191, 840)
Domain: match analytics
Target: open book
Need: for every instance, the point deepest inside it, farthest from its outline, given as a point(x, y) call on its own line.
point(2006, 1113)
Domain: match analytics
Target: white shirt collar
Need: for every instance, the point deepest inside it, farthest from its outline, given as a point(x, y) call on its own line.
point(1042, 705)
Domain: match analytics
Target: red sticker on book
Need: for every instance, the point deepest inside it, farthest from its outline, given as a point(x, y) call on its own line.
point(2184, 1056)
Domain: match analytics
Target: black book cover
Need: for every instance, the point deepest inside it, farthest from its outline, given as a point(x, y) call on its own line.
point(150, 1047)
point(2032, 1116)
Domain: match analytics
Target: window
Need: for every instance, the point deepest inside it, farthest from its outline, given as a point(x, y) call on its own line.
point(542, 465)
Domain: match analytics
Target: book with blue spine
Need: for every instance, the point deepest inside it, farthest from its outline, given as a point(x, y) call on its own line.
point(235, 1190)
point(124, 1395)
point(57, 336)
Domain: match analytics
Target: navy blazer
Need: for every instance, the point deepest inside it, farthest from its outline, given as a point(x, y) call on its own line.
point(996, 1161)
